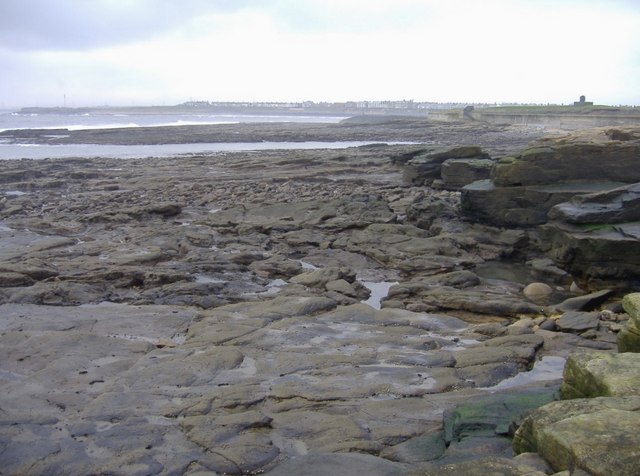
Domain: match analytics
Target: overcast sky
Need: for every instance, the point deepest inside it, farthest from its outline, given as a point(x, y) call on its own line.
point(146, 52)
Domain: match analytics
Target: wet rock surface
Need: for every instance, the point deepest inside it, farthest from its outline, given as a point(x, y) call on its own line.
point(223, 314)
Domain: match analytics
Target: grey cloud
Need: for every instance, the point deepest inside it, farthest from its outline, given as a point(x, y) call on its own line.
point(82, 25)
point(345, 17)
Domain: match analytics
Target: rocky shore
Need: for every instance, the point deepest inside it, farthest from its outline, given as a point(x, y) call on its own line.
point(304, 311)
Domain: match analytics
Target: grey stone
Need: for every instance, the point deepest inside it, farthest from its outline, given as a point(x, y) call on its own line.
point(578, 322)
point(629, 338)
point(456, 173)
point(596, 374)
point(595, 435)
point(339, 464)
point(548, 325)
point(520, 206)
point(572, 160)
point(426, 167)
point(417, 449)
point(587, 302)
point(618, 205)
point(601, 256)
point(503, 466)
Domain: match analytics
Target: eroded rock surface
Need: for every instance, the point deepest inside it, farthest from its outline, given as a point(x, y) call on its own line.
point(204, 314)
point(583, 188)
point(595, 435)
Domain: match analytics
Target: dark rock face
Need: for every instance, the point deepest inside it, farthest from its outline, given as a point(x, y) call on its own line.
point(456, 173)
point(596, 237)
point(522, 206)
point(618, 205)
point(525, 187)
point(597, 256)
point(582, 188)
point(570, 161)
point(464, 163)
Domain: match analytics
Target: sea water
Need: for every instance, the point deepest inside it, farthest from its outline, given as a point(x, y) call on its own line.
point(103, 120)
point(45, 151)
point(10, 150)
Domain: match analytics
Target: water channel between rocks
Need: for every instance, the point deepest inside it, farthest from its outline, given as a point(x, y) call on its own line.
point(9, 151)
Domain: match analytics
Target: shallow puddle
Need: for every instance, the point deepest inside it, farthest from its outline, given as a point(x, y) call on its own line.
point(546, 369)
point(379, 291)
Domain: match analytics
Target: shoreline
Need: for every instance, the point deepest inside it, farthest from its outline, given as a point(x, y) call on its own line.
point(497, 139)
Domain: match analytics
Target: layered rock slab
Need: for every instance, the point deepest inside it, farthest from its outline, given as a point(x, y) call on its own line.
point(583, 188)
point(597, 435)
point(629, 336)
point(235, 389)
point(601, 374)
point(618, 205)
point(575, 157)
point(523, 188)
point(595, 236)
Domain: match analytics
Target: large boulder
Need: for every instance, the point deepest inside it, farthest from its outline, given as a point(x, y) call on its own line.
point(521, 206)
point(595, 237)
point(595, 427)
point(570, 159)
point(456, 173)
point(597, 435)
point(426, 167)
point(618, 205)
point(601, 374)
point(629, 336)
point(601, 255)
point(523, 188)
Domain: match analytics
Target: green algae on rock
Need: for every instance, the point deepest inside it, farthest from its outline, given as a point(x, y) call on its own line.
point(601, 374)
point(597, 435)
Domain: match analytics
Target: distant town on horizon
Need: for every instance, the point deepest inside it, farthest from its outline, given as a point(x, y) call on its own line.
point(389, 106)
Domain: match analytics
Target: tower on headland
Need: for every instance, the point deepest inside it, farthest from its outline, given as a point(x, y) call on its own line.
point(582, 102)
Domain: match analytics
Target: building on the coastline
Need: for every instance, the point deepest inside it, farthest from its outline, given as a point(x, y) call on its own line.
point(582, 102)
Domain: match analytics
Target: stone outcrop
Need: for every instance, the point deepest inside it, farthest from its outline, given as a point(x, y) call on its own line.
point(456, 173)
point(629, 335)
point(596, 256)
point(618, 205)
point(596, 237)
point(574, 158)
point(593, 428)
point(521, 206)
point(549, 173)
point(597, 435)
point(601, 374)
point(583, 189)
point(450, 169)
